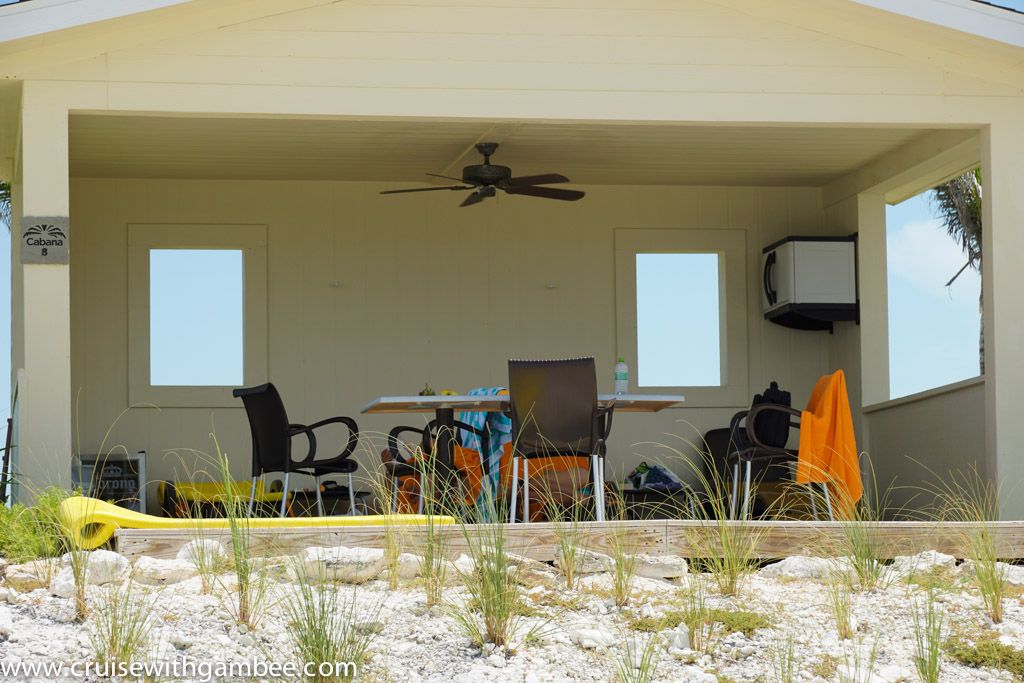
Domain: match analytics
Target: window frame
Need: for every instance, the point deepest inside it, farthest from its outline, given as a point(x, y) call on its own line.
point(730, 245)
point(251, 240)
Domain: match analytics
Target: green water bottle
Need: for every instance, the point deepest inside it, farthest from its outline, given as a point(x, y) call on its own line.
point(621, 377)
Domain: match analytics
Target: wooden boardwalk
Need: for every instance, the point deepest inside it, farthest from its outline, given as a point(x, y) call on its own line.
point(656, 537)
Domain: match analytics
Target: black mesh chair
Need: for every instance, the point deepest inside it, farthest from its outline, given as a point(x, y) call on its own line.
point(555, 414)
point(272, 444)
point(404, 453)
point(759, 437)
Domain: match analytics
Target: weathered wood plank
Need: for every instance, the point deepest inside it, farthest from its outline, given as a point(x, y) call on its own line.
point(539, 541)
point(889, 539)
point(676, 537)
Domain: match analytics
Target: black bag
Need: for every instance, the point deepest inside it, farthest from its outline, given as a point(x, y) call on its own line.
point(772, 428)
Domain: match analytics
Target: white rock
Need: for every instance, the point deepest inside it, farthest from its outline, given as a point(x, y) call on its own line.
point(31, 575)
point(1014, 573)
point(349, 565)
point(695, 675)
point(463, 564)
point(63, 584)
point(679, 638)
point(409, 565)
point(497, 661)
point(474, 675)
point(800, 567)
point(179, 640)
point(894, 673)
point(585, 561)
point(203, 550)
point(661, 566)
point(155, 572)
point(6, 623)
point(904, 565)
point(105, 566)
point(101, 567)
point(591, 638)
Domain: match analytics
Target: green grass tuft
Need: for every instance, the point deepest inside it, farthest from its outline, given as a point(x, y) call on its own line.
point(730, 621)
point(985, 651)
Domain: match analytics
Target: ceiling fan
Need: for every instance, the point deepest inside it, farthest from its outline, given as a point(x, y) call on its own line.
point(486, 179)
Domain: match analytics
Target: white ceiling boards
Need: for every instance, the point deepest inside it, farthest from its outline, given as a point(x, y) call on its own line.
point(388, 149)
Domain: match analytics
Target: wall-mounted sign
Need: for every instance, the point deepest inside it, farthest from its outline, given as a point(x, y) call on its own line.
point(44, 239)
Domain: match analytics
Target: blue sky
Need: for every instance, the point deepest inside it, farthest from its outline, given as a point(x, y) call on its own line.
point(933, 329)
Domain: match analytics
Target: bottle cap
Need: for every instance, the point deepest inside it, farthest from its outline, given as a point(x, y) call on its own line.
point(622, 359)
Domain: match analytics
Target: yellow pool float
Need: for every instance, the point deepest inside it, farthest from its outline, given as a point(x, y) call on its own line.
point(94, 521)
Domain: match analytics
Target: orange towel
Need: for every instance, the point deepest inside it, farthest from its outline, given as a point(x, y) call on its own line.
point(828, 446)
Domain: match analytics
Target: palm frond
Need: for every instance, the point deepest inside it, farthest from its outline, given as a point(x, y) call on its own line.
point(958, 205)
point(5, 204)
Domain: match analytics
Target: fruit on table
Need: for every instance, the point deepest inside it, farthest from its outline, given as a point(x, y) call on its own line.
point(427, 391)
point(449, 392)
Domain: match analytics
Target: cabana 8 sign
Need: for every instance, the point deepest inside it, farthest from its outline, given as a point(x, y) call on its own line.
point(44, 239)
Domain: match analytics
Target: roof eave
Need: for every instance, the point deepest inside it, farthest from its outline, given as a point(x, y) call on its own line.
point(987, 21)
point(27, 19)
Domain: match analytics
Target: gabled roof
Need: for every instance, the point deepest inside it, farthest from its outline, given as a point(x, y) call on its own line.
point(25, 19)
point(984, 18)
point(1001, 4)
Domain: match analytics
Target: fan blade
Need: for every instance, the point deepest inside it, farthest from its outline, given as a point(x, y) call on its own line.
point(429, 189)
point(547, 192)
point(544, 179)
point(446, 177)
point(473, 198)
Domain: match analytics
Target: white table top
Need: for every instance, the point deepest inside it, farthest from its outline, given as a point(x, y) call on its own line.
point(628, 403)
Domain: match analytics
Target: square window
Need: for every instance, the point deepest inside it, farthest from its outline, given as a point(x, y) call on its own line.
point(196, 321)
point(678, 320)
point(681, 312)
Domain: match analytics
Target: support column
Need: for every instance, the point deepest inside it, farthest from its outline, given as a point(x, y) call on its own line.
point(1003, 246)
point(872, 287)
point(41, 344)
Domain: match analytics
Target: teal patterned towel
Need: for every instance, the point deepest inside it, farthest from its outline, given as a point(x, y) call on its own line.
point(499, 428)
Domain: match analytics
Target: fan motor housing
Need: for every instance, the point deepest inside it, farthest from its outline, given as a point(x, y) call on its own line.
point(485, 174)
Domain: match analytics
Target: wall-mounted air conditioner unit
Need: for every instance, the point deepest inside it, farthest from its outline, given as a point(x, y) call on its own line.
point(808, 283)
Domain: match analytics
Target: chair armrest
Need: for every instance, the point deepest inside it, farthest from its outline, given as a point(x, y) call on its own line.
point(295, 430)
point(734, 432)
point(396, 448)
point(350, 447)
point(764, 408)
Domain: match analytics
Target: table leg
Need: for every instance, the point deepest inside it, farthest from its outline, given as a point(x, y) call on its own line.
point(444, 467)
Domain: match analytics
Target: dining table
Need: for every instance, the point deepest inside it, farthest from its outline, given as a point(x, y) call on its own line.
point(444, 408)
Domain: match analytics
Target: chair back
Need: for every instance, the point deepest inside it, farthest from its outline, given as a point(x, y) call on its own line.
point(772, 428)
point(554, 406)
point(718, 446)
point(268, 422)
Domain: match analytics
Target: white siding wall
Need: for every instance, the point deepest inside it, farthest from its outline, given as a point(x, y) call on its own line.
point(917, 441)
point(428, 292)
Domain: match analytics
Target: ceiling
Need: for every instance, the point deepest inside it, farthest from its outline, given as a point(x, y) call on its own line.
point(620, 154)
